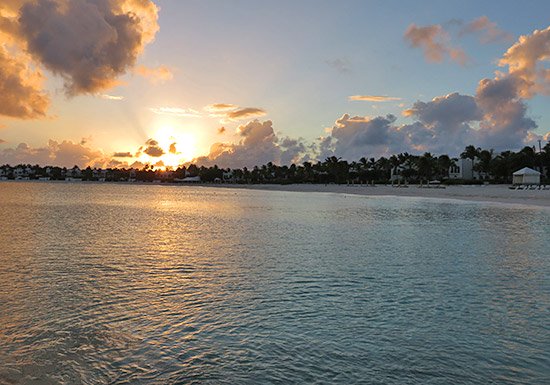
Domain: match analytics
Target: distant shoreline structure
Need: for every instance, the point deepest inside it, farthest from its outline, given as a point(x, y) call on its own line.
point(475, 166)
point(501, 194)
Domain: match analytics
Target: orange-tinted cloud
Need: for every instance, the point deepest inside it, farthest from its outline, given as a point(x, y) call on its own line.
point(232, 112)
point(156, 75)
point(525, 63)
point(258, 145)
point(217, 107)
point(153, 149)
point(89, 43)
point(245, 113)
point(64, 154)
point(221, 130)
point(173, 149)
point(122, 155)
point(21, 94)
point(373, 98)
point(435, 42)
point(487, 30)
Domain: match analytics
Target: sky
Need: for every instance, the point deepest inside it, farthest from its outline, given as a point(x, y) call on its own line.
point(119, 83)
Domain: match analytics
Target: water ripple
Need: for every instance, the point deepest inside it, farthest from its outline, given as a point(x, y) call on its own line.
point(114, 284)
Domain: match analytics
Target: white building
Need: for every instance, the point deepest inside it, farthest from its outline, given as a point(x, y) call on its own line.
point(462, 169)
point(526, 176)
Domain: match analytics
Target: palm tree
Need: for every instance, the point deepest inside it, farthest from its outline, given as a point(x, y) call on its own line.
point(444, 162)
point(470, 152)
point(485, 157)
point(426, 165)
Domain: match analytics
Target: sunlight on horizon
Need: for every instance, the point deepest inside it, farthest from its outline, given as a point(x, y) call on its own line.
point(179, 147)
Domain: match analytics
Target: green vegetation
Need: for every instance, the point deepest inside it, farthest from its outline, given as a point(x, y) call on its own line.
point(487, 167)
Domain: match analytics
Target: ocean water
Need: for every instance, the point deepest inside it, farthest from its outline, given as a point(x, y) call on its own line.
point(135, 284)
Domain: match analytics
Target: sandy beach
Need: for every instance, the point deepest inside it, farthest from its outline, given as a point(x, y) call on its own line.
point(483, 193)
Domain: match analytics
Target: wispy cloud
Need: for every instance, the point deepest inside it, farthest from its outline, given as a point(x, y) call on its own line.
point(245, 113)
point(156, 75)
point(111, 97)
point(122, 155)
point(233, 112)
point(487, 30)
point(374, 98)
point(439, 41)
point(435, 42)
point(340, 65)
point(175, 111)
point(217, 107)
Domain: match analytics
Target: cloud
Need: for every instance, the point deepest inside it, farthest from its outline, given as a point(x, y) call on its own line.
point(495, 117)
point(2, 141)
point(355, 137)
point(137, 165)
point(232, 112)
point(435, 42)
point(153, 149)
point(63, 154)
point(450, 110)
point(89, 43)
point(175, 111)
point(292, 151)
point(217, 107)
point(245, 113)
point(172, 149)
point(487, 30)
point(525, 63)
point(122, 155)
point(158, 75)
point(21, 94)
point(446, 120)
point(110, 97)
point(258, 145)
point(340, 65)
point(373, 98)
point(505, 124)
point(221, 130)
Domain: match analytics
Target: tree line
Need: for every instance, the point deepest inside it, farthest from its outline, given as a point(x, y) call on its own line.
point(491, 166)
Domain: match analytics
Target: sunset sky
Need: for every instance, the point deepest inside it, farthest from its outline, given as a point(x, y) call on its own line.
point(238, 83)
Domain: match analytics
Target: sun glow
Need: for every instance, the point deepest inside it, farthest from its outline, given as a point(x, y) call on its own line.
point(179, 147)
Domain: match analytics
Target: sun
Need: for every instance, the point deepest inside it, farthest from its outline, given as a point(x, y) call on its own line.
point(179, 147)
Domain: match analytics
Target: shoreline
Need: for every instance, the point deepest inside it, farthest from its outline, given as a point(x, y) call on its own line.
point(469, 193)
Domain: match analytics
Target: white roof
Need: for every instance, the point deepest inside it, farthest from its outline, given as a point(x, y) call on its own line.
point(527, 171)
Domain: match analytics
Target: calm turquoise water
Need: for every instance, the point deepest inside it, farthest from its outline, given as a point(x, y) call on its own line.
point(114, 284)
